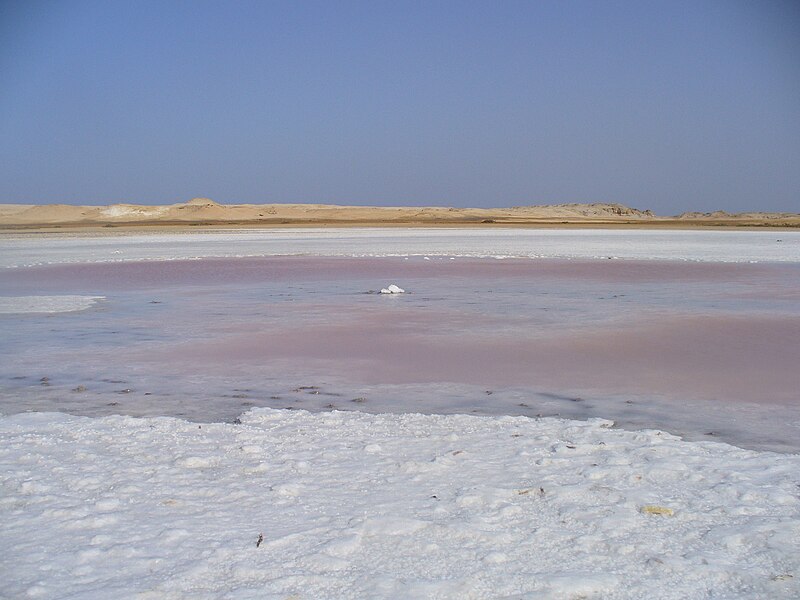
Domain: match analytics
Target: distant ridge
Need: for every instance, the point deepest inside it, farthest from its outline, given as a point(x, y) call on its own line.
point(721, 214)
point(596, 209)
point(202, 202)
point(207, 212)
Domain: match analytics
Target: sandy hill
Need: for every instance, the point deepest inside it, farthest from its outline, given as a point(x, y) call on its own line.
point(721, 214)
point(203, 211)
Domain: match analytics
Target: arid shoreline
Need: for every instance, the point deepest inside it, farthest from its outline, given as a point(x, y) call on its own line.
point(202, 213)
point(153, 226)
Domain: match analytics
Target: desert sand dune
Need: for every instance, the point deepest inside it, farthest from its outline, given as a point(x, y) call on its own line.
point(203, 211)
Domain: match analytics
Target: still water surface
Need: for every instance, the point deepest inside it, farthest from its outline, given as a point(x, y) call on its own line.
point(708, 350)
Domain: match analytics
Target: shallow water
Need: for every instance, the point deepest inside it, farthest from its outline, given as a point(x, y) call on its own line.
point(707, 350)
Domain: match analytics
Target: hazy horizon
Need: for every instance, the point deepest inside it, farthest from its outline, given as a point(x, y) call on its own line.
point(669, 106)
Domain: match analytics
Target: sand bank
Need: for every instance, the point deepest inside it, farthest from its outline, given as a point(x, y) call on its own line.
point(202, 212)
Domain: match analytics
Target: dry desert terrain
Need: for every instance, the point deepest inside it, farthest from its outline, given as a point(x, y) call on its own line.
point(203, 212)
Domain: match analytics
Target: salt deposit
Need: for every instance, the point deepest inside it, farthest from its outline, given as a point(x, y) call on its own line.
point(10, 305)
point(393, 289)
point(723, 246)
point(350, 505)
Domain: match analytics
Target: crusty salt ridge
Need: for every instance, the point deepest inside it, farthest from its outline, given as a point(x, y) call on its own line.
point(353, 505)
point(393, 289)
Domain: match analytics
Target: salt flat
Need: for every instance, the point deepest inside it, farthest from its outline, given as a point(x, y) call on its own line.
point(354, 492)
point(27, 249)
point(350, 505)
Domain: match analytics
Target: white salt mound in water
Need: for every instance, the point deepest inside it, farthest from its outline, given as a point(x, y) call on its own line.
point(353, 505)
point(10, 305)
point(393, 289)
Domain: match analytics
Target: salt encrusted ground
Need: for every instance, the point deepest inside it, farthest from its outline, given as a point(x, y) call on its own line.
point(353, 505)
point(25, 249)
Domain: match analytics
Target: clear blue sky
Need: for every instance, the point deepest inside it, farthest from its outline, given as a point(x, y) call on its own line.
point(665, 105)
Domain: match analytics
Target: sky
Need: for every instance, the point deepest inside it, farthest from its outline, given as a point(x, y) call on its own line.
point(670, 106)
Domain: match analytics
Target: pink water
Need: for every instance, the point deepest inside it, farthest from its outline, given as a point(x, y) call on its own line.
point(706, 350)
